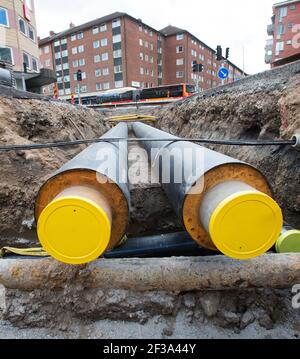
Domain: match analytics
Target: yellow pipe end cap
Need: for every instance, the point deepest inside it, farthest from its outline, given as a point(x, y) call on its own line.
point(289, 242)
point(74, 230)
point(246, 225)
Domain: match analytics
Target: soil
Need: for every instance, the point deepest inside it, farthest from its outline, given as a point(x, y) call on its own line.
point(265, 106)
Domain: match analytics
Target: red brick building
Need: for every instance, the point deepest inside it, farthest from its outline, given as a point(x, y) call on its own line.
point(284, 46)
point(120, 51)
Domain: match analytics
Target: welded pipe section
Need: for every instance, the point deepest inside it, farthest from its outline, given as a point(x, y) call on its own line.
point(83, 209)
point(224, 204)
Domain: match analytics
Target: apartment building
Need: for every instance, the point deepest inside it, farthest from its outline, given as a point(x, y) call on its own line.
point(182, 49)
point(120, 51)
point(284, 45)
point(19, 43)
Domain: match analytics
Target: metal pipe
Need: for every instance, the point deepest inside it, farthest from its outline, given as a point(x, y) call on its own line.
point(83, 209)
point(178, 244)
point(224, 204)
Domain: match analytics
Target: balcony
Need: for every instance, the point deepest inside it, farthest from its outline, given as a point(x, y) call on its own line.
point(270, 30)
point(269, 45)
point(268, 58)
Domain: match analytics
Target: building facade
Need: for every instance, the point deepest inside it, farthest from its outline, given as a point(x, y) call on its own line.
point(284, 44)
point(19, 43)
point(118, 51)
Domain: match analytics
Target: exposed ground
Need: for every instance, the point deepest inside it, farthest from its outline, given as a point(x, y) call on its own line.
point(265, 106)
point(260, 107)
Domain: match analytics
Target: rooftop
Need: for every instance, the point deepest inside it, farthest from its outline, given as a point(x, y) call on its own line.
point(284, 3)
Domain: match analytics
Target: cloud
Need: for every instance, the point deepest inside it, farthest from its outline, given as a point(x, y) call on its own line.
point(231, 23)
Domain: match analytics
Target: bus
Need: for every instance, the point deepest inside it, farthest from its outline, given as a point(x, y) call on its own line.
point(161, 93)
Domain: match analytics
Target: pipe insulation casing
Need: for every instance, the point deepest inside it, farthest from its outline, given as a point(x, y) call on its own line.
point(240, 218)
point(83, 209)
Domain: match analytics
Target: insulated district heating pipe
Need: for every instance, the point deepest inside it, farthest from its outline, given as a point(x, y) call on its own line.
point(83, 209)
point(224, 204)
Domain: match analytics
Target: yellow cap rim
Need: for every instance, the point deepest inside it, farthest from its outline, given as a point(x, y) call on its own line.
point(246, 225)
point(74, 230)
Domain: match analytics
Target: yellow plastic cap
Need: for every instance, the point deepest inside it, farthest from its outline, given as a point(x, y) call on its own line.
point(246, 225)
point(74, 230)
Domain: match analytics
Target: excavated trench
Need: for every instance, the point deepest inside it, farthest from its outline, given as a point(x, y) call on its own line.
point(265, 106)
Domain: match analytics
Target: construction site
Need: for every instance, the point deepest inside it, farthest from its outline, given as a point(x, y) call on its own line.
point(214, 256)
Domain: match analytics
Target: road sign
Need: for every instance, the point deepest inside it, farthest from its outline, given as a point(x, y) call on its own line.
point(223, 73)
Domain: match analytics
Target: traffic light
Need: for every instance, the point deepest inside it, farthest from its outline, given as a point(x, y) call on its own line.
point(200, 68)
point(227, 52)
point(79, 75)
point(195, 66)
point(219, 53)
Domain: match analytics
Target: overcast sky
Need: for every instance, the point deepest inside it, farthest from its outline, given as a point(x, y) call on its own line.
point(230, 23)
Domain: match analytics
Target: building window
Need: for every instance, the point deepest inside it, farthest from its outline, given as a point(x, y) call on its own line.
point(179, 37)
point(146, 44)
point(289, 42)
point(105, 71)
point(48, 63)
point(82, 62)
point(96, 44)
point(290, 25)
point(279, 47)
point(6, 54)
point(83, 88)
point(64, 53)
point(141, 56)
point(142, 71)
point(103, 27)
point(68, 91)
point(95, 30)
point(58, 67)
point(280, 29)
point(141, 42)
point(179, 74)
point(179, 49)
point(67, 78)
point(46, 50)
point(293, 7)
point(106, 86)
point(146, 58)
point(64, 41)
point(28, 4)
point(81, 48)
point(26, 60)
point(179, 62)
point(151, 59)
point(117, 54)
point(35, 65)
point(22, 26)
point(283, 12)
point(104, 56)
point(98, 72)
point(80, 35)
point(83, 75)
point(119, 84)
point(104, 42)
point(74, 50)
point(97, 58)
point(75, 63)
point(140, 28)
point(151, 33)
point(118, 69)
point(98, 87)
point(117, 38)
point(116, 23)
point(66, 66)
point(3, 17)
point(57, 43)
point(61, 92)
point(73, 37)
